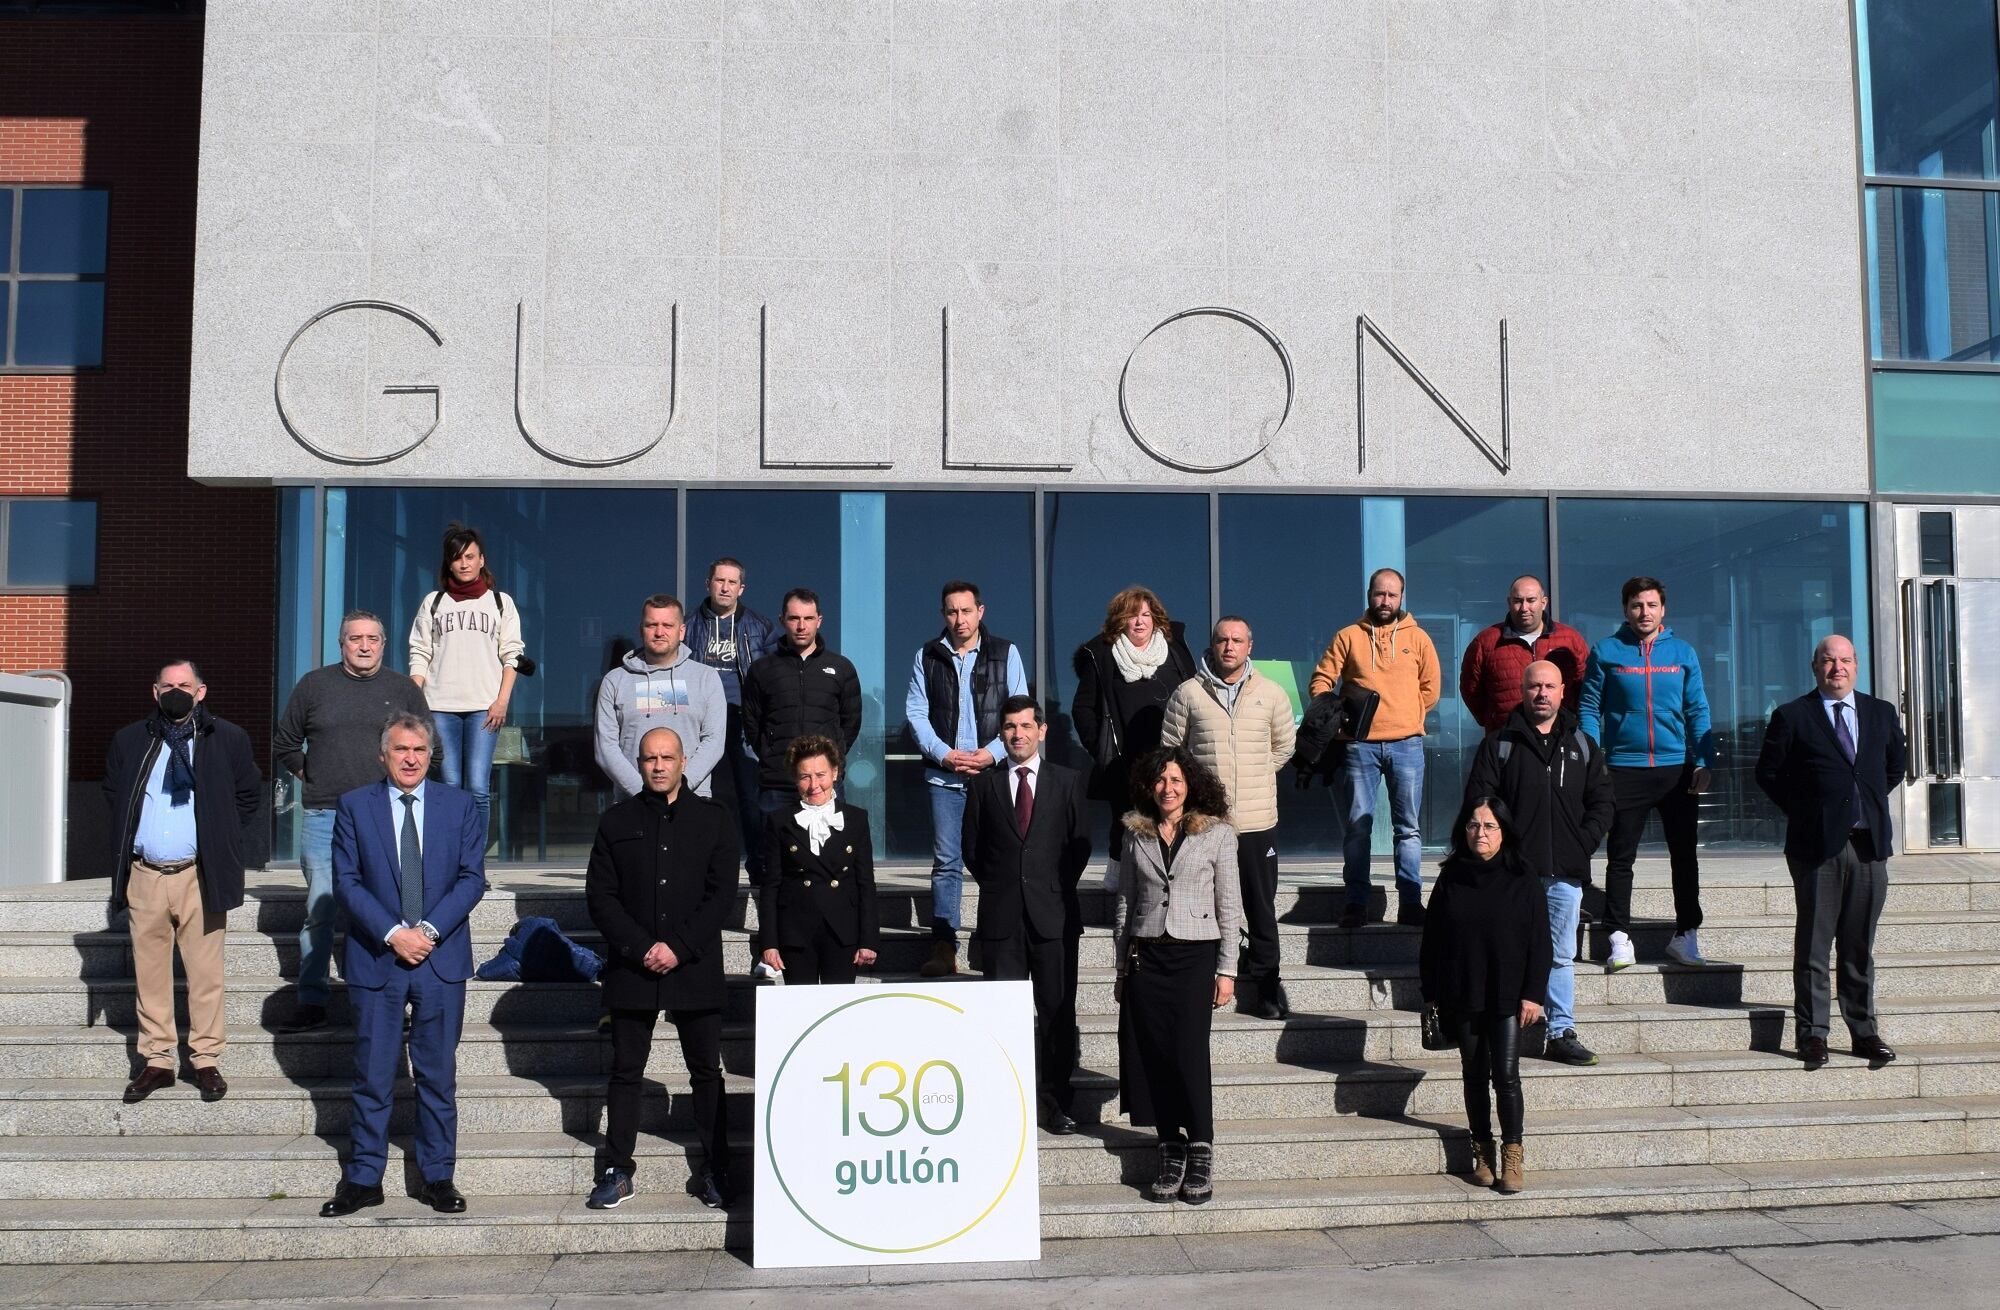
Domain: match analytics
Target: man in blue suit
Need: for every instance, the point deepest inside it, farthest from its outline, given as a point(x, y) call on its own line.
point(409, 861)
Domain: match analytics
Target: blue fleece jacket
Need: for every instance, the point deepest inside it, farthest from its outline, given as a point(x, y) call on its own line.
point(1643, 702)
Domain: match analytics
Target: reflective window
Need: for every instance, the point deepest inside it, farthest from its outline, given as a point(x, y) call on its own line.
point(1098, 544)
point(577, 563)
point(1753, 586)
point(52, 251)
point(62, 230)
point(1937, 432)
point(1934, 274)
point(59, 323)
point(1935, 545)
point(1297, 567)
point(48, 545)
point(1930, 87)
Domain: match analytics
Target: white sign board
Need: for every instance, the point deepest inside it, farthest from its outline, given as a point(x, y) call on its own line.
point(896, 1124)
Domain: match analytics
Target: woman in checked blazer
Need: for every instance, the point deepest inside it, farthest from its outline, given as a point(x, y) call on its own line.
point(1174, 927)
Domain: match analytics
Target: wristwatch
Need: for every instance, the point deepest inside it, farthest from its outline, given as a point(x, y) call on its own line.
point(424, 927)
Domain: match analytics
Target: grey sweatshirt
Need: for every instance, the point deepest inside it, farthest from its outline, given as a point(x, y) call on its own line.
point(634, 698)
point(331, 731)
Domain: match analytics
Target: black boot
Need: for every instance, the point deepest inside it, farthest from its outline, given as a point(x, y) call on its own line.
point(1173, 1168)
point(1199, 1184)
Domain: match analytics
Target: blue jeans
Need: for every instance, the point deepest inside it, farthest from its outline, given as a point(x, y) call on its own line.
point(1402, 763)
point(947, 860)
point(316, 934)
point(465, 758)
point(1565, 903)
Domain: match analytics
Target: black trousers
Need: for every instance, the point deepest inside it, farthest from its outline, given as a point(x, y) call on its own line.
point(1050, 965)
point(820, 960)
point(1489, 1052)
point(1257, 873)
point(1638, 793)
point(701, 1045)
point(1839, 900)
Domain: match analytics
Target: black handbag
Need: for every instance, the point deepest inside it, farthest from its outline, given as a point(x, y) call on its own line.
point(1435, 1037)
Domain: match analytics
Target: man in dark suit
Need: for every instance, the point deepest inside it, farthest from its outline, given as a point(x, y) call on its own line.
point(409, 863)
point(1026, 838)
point(1830, 760)
point(662, 878)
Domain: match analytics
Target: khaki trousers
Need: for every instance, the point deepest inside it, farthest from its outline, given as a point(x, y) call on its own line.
point(165, 912)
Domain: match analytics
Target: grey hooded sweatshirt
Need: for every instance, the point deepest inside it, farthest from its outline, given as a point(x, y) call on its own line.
point(636, 697)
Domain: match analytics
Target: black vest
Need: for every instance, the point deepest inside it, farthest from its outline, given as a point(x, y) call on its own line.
point(989, 689)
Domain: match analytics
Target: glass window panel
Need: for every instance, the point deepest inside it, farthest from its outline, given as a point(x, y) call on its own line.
point(577, 563)
point(6, 231)
point(1458, 555)
point(62, 231)
point(1934, 266)
point(59, 323)
point(1937, 433)
point(51, 543)
point(1935, 545)
point(1752, 585)
point(987, 538)
point(1098, 544)
point(1930, 85)
point(298, 644)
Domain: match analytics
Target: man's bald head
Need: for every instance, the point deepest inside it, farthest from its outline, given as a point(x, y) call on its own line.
point(1541, 692)
point(661, 759)
point(1834, 666)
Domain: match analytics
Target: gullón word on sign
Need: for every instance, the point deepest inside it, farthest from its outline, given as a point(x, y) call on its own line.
point(896, 1125)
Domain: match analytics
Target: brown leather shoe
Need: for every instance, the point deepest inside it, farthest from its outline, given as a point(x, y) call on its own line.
point(151, 1079)
point(209, 1079)
point(943, 962)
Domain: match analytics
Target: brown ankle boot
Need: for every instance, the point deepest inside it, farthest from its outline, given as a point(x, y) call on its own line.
point(1510, 1168)
point(943, 962)
point(1482, 1161)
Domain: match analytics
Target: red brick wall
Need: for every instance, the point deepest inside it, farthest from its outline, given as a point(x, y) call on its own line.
point(182, 569)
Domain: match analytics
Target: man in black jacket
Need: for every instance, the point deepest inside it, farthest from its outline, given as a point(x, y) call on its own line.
point(800, 689)
point(1555, 781)
point(182, 790)
point(1027, 839)
point(1829, 761)
point(661, 880)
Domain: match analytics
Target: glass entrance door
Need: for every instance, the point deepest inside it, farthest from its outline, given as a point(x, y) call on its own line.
point(1949, 605)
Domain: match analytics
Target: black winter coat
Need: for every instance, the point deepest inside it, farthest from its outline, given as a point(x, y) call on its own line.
point(786, 697)
point(1486, 937)
point(1118, 721)
point(1558, 788)
point(227, 791)
point(663, 873)
point(801, 890)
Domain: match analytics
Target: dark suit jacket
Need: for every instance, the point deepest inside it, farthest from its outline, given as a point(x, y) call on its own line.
point(227, 791)
point(1804, 771)
point(663, 873)
point(1027, 882)
point(368, 880)
point(802, 890)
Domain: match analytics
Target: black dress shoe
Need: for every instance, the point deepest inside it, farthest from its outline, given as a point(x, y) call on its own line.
point(1874, 1050)
point(209, 1080)
point(1353, 916)
point(1058, 1122)
point(1282, 1001)
point(711, 1189)
point(151, 1079)
point(305, 1019)
point(442, 1197)
point(349, 1197)
point(1264, 1008)
point(1812, 1051)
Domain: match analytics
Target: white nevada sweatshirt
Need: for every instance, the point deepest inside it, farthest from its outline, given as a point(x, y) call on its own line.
point(459, 653)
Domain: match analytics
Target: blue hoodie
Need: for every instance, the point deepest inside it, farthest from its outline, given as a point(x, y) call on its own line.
point(1643, 702)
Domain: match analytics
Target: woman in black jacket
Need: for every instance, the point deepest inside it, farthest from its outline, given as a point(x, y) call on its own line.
point(816, 910)
point(1485, 965)
point(1124, 676)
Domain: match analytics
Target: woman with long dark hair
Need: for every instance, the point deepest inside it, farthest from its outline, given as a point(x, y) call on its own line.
point(1174, 926)
point(1124, 676)
point(465, 644)
point(816, 911)
point(1485, 965)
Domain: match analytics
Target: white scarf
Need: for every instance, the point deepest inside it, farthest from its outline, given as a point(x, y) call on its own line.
point(821, 822)
point(1139, 664)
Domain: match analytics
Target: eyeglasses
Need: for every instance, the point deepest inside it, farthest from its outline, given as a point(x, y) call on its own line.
point(1476, 826)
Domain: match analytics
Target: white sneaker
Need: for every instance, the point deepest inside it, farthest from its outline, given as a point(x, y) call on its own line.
point(1682, 949)
point(1622, 954)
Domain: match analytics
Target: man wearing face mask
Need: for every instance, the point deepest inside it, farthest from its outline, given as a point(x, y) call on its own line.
point(182, 790)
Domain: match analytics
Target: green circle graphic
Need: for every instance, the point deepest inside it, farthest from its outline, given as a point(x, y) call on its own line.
point(771, 1098)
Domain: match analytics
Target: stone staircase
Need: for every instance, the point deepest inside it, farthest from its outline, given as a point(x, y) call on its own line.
point(1335, 1118)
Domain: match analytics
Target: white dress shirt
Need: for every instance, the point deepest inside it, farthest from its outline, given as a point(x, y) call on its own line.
point(1014, 779)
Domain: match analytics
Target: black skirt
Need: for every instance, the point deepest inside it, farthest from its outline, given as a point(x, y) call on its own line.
point(1163, 1062)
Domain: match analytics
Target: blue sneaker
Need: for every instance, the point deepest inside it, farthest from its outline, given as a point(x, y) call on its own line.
point(613, 1186)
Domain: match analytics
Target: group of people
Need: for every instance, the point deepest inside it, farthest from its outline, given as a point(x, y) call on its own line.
point(725, 737)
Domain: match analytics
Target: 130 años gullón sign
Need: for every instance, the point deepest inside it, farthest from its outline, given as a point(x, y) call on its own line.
point(896, 1125)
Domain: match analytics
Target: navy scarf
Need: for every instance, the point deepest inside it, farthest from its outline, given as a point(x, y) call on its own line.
point(180, 760)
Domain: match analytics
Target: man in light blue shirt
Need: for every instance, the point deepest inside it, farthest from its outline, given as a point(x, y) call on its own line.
point(958, 684)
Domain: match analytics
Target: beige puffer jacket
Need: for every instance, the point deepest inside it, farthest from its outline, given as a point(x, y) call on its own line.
point(1246, 749)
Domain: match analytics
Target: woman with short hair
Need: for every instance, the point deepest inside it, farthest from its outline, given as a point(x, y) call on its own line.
point(1485, 964)
point(1174, 926)
point(816, 910)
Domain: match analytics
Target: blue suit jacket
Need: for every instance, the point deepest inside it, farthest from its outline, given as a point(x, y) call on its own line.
point(367, 880)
